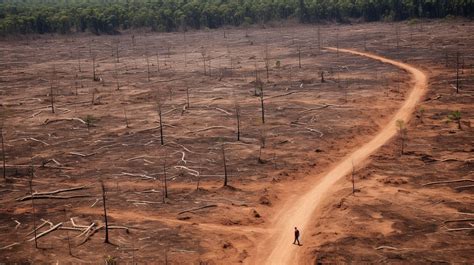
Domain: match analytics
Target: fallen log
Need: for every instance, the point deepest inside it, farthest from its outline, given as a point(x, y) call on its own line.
point(223, 111)
point(145, 202)
point(37, 228)
point(39, 141)
point(53, 197)
point(448, 181)
point(211, 128)
point(46, 232)
point(459, 229)
point(458, 220)
point(138, 175)
point(27, 197)
point(198, 208)
point(80, 154)
point(282, 95)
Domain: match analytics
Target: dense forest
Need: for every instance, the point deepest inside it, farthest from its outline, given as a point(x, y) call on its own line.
point(110, 16)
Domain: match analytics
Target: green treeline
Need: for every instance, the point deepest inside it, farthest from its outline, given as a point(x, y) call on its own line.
point(109, 16)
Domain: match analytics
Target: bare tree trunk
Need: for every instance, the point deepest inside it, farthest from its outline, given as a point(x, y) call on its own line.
point(225, 165)
point(263, 109)
point(148, 68)
point(105, 213)
point(457, 72)
point(51, 92)
point(161, 124)
point(117, 77)
point(157, 62)
point(353, 180)
point(3, 154)
point(93, 69)
point(237, 116)
point(319, 38)
point(187, 97)
point(299, 56)
point(126, 118)
point(33, 204)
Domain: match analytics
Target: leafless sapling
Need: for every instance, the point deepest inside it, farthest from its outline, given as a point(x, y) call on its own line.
point(94, 77)
point(262, 138)
point(32, 173)
point(157, 61)
point(225, 165)
point(319, 37)
point(457, 72)
point(51, 90)
point(117, 77)
point(104, 199)
point(299, 56)
point(187, 97)
point(126, 118)
point(262, 104)
point(402, 132)
point(159, 104)
point(237, 117)
point(353, 177)
point(4, 160)
point(267, 61)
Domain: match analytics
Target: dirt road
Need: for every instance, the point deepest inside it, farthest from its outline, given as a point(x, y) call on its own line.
point(277, 248)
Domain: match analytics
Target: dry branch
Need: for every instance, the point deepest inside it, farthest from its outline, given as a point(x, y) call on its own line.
point(39, 227)
point(144, 202)
point(224, 111)
point(191, 171)
point(458, 220)
point(211, 128)
point(317, 131)
point(80, 154)
point(448, 181)
point(48, 121)
point(464, 187)
point(138, 175)
point(282, 95)
point(54, 227)
point(46, 194)
point(39, 141)
point(9, 246)
point(198, 208)
point(459, 229)
point(386, 247)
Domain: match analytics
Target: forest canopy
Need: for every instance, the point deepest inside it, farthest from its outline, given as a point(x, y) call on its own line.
point(111, 16)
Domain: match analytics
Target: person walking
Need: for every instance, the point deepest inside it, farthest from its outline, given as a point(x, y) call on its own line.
point(297, 237)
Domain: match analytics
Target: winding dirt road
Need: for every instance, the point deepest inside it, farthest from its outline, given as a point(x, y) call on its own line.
point(277, 248)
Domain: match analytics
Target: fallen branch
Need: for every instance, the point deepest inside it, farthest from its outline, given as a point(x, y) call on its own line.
point(322, 107)
point(138, 175)
point(459, 229)
point(9, 246)
point(86, 230)
point(317, 131)
point(46, 232)
point(198, 208)
point(90, 233)
point(448, 181)
point(17, 224)
point(39, 141)
point(191, 171)
point(53, 197)
point(80, 154)
point(282, 95)
point(386, 247)
point(211, 128)
point(464, 187)
point(28, 197)
point(96, 201)
point(458, 220)
point(48, 121)
point(39, 227)
point(224, 111)
point(137, 201)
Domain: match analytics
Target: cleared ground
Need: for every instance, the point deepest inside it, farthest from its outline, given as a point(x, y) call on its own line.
point(309, 126)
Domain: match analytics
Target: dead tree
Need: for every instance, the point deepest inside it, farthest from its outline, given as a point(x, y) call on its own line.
point(402, 131)
point(263, 138)
point(267, 61)
point(237, 117)
point(117, 77)
point(126, 118)
point(322, 77)
point(397, 35)
point(160, 116)
point(299, 56)
point(319, 38)
point(203, 53)
point(225, 165)
point(457, 72)
point(187, 97)
point(157, 61)
point(105, 212)
point(3, 152)
point(51, 91)
point(262, 105)
point(94, 77)
point(353, 178)
point(33, 204)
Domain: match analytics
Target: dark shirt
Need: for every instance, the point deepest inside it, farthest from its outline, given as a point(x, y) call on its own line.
point(297, 234)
